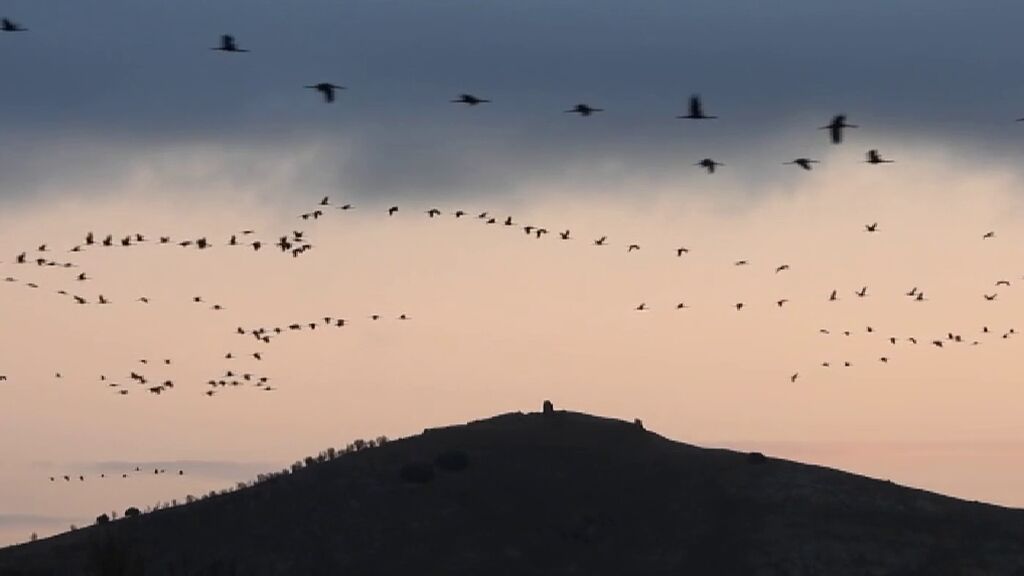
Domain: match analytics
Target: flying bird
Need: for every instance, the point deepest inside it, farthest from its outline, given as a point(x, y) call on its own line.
point(469, 100)
point(696, 110)
point(228, 44)
point(6, 25)
point(583, 110)
point(709, 165)
point(836, 126)
point(326, 89)
point(804, 163)
point(875, 158)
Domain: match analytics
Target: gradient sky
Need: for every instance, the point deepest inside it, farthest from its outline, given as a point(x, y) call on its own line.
point(119, 119)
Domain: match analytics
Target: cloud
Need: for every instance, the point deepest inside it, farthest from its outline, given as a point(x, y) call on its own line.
point(96, 92)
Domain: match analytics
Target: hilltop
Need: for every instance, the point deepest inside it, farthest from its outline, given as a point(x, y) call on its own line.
point(548, 493)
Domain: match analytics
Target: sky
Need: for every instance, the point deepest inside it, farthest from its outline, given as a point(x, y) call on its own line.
point(117, 118)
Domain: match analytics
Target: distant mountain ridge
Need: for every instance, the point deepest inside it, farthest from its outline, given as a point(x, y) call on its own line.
point(548, 493)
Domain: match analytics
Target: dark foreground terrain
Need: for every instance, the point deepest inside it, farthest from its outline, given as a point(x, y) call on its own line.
point(559, 493)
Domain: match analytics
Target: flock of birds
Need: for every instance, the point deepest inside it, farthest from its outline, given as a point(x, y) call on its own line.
point(147, 376)
point(103, 475)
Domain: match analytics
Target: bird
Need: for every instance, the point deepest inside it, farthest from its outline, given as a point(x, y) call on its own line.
point(682, 250)
point(739, 306)
point(794, 377)
point(804, 163)
point(1002, 283)
point(989, 234)
point(326, 89)
point(873, 227)
point(7, 25)
point(600, 241)
point(583, 110)
point(836, 126)
point(781, 302)
point(709, 165)
point(862, 292)
point(696, 110)
point(228, 44)
point(782, 268)
point(392, 210)
point(990, 297)
point(642, 306)
point(875, 158)
point(433, 212)
point(632, 247)
point(564, 235)
point(833, 296)
point(469, 100)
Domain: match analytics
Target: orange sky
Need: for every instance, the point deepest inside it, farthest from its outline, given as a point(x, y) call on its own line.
point(500, 322)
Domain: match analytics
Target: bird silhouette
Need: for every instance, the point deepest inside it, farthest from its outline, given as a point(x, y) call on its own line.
point(836, 126)
point(469, 100)
point(804, 163)
point(875, 158)
point(583, 110)
point(228, 44)
point(392, 210)
point(695, 111)
point(873, 227)
point(7, 25)
point(326, 89)
point(709, 165)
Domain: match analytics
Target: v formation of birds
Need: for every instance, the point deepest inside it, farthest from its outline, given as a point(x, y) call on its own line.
point(151, 377)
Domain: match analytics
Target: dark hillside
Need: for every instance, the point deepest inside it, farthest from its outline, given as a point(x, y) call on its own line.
point(559, 493)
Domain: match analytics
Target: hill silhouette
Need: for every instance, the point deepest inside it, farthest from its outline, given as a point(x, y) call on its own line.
point(548, 493)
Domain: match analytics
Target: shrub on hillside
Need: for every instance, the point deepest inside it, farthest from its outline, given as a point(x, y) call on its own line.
point(102, 519)
point(417, 473)
point(132, 512)
point(757, 458)
point(452, 461)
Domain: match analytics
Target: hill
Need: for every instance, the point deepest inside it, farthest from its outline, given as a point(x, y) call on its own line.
point(554, 493)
